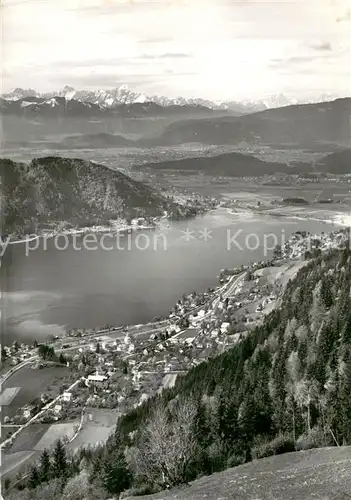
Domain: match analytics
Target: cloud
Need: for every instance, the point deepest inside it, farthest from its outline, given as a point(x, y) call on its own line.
point(323, 46)
point(110, 80)
point(299, 60)
point(123, 61)
point(345, 17)
point(167, 55)
point(152, 39)
point(217, 49)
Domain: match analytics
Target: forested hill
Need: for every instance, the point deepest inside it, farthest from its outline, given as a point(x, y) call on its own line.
point(54, 189)
point(284, 387)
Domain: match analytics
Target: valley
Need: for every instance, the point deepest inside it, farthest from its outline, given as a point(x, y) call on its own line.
point(131, 338)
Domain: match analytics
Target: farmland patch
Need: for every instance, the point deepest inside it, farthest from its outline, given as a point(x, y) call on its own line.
point(11, 460)
point(91, 435)
point(8, 395)
point(29, 437)
point(55, 432)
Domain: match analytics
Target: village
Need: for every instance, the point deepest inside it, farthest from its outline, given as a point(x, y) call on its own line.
point(118, 369)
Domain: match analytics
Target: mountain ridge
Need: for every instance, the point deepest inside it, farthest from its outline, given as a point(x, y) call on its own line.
point(124, 95)
point(236, 164)
point(54, 190)
point(60, 106)
point(295, 124)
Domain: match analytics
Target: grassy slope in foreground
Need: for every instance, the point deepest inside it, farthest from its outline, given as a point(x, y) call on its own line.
point(323, 474)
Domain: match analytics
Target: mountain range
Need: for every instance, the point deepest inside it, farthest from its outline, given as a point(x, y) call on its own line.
point(304, 125)
point(61, 106)
point(124, 95)
point(146, 125)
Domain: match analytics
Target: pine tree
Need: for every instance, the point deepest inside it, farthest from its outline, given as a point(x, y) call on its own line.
point(334, 407)
point(3, 354)
point(326, 293)
point(346, 331)
point(34, 479)
point(229, 422)
point(114, 470)
point(59, 464)
point(345, 396)
point(203, 437)
point(45, 467)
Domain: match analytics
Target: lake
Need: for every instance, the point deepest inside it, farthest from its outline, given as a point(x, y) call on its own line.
point(129, 279)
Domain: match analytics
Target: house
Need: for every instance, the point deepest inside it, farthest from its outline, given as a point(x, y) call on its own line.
point(97, 381)
point(96, 378)
point(189, 340)
point(27, 412)
point(224, 327)
point(67, 396)
point(176, 328)
point(57, 408)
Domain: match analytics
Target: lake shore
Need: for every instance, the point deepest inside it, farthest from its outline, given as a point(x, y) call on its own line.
point(341, 219)
point(332, 217)
point(115, 228)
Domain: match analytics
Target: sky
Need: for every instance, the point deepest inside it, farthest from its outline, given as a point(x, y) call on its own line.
point(215, 49)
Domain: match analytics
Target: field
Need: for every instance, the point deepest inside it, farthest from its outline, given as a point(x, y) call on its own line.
point(30, 443)
point(13, 461)
point(91, 435)
point(29, 437)
point(31, 384)
point(236, 188)
point(6, 432)
point(98, 425)
point(322, 474)
point(269, 275)
point(55, 432)
point(168, 381)
point(8, 395)
point(190, 333)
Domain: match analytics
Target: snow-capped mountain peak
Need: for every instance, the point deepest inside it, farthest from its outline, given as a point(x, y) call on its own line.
point(110, 98)
point(19, 93)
